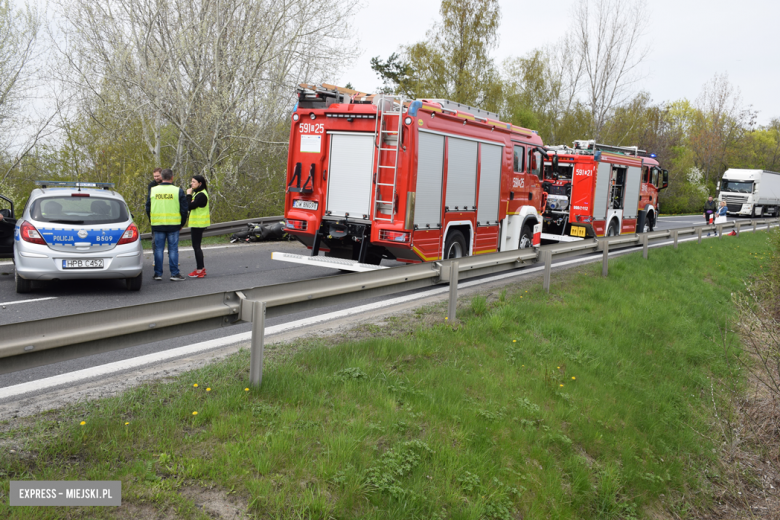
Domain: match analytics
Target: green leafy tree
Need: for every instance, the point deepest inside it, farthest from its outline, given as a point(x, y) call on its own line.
point(540, 93)
point(454, 62)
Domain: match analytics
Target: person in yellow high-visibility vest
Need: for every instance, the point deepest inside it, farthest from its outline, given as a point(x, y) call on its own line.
point(200, 219)
point(166, 207)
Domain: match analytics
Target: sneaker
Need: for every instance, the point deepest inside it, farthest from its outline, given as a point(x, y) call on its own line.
point(158, 277)
point(194, 274)
point(202, 273)
point(177, 278)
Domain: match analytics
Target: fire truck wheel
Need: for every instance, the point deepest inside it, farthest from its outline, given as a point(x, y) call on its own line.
point(612, 230)
point(455, 247)
point(526, 238)
point(649, 223)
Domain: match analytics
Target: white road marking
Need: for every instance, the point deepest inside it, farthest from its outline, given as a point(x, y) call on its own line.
point(29, 301)
point(128, 364)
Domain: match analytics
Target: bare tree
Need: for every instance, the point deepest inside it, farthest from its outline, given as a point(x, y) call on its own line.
point(20, 127)
point(720, 123)
point(219, 74)
point(608, 39)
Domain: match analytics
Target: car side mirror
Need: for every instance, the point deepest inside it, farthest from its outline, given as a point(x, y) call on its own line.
point(7, 213)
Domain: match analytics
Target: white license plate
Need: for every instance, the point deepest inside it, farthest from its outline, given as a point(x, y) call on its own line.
point(305, 204)
point(94, 263)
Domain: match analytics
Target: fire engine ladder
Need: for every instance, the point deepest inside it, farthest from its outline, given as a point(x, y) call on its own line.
point(389, 107)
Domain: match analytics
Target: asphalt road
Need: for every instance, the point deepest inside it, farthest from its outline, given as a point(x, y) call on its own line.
point(230, 267)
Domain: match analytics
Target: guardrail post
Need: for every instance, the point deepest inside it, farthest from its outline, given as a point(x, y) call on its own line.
point(258, 344)
point(605, 259)
point(674, 235)
point(754, 224)
point(738, 225)
point(547, 269)
point(720, 231)
point(698, 232)
point(644, 246)
point(451, 313)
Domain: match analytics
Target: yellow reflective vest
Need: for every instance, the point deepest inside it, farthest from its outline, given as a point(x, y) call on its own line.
point(200, 217)
point(165, 209)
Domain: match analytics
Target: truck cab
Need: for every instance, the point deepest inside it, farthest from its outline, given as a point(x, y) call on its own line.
point(750, 193)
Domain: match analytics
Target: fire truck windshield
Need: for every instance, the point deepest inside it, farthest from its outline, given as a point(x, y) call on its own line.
point(564, 172)
point(737, 186)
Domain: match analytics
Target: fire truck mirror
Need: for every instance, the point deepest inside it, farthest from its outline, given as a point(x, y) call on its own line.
point(555, 165)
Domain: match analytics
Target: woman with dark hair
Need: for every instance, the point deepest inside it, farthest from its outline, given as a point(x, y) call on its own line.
point(198, 202)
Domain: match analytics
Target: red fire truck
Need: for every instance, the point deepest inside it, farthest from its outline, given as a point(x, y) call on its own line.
point(600, 190)
point(376, 176)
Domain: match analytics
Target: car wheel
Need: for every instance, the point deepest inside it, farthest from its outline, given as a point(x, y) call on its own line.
point(455, 246)
point(612, 230)
point(134, 284)
point(22, 286)
point(526, 238)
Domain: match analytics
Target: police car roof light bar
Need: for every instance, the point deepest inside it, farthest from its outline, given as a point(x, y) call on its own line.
point(71, 184)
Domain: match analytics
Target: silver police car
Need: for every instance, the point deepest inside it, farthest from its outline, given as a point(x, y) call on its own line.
point(76, 230)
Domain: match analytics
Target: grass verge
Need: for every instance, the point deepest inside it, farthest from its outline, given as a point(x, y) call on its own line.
point(593, 401)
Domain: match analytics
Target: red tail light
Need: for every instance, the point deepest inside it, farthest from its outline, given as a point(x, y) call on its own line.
point(30, 234)
point(300, 225)
point(393, 236)
point(130, 235)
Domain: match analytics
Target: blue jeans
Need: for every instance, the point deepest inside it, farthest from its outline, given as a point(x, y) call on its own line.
point(173, 252)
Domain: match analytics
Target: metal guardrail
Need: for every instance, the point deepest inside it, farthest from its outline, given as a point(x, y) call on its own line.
point(39, 342)
point(223, 228)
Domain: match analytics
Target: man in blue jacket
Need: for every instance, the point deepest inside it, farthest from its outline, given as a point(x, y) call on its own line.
point(167, 210)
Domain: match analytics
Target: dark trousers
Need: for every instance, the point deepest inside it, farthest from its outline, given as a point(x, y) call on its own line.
point(197, 238)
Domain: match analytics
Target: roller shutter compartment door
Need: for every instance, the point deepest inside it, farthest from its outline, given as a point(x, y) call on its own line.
point(461, 174)
point(430, 166)
point(489, 184)
point(633, 182)
point(350, 174)
point(602, 192)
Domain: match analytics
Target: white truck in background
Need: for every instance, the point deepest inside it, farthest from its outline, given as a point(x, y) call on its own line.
point(751, 193)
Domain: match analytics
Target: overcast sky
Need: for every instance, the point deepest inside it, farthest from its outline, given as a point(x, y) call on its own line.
point(690, 41)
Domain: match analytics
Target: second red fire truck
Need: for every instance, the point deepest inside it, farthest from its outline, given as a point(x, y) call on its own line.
point(600, 190)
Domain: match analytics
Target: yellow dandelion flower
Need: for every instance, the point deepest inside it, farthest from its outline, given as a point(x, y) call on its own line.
point(558, 368)
point(561, 384)
point(195, 385)
point(82, 423)
point(208, 389)
point(127, 423)
point(514, 341)
point(194, 413)
point(573, 378)
point(246, 389)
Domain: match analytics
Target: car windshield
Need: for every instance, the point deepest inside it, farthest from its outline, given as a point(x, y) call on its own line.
point(737, 186)
point(66, 209)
